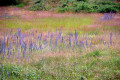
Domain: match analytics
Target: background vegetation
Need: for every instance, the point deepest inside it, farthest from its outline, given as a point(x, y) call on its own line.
point(77, 5)
point(67, 5)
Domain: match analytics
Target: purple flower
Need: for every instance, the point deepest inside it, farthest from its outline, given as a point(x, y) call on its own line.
point(111, 38)
point(76, 40)
point(41, 36)
point(51, 39)
point(30, 45)
point(8, 74)
point(7, 40)
point(19, 32)
point(83, 44)
point(86, 44)
point(91, 43)
point(24, 54)
point(60, 34)
point(2, 48)
point(69, 40)
point(56, 41)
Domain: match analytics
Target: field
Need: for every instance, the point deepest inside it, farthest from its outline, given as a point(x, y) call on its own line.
point(42, 45)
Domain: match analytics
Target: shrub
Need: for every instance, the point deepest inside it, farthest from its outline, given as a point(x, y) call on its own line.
point(38, 5)
point(21, 5)
point(95, 6)
point(83, 0)
point(84, 6)
point(107, 8)
point(76, 5)
point(65, 9)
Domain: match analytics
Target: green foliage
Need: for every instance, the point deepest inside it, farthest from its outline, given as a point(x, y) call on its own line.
point(82, 0)
point(80, 67)
point(10, 71)
point(21, 5)
point(107, 8)
point(96, 6)
point(65, 9)
point(76, 5)
point(94, 54)
point(38, 5)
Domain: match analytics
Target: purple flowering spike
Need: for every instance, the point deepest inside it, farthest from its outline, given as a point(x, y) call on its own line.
point(36, 31)
point(56, 41)
point(51, 39)
point(37, 48)
point(76, 40)
point(62, 41)
point(69, 40)
point(9, 54)
point(4, 51)
point(24, 54)
point(2, 47)
point(30, 45)
point(20, 41)
point(86, 44)
point(19, 32)
point(4, 39)
point(83, 44)
point(102, 40)
point(60, 33)
point(8, 50)
point(111, 38)
point(40, 46)
point(71, 34)
point(32, 34)
point(41, 36)
point(34, 47)
point(17, 42)
point(10, 31)
point(45, 39)
point(7, 41)
point(13, 53)
point(8, 74)
point(91, 43)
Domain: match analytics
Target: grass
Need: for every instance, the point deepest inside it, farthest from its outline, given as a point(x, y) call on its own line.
point(111, 28)
point(75, 67)
point(49, 23)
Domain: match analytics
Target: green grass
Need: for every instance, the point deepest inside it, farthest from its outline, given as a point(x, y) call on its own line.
point(94, 65)
point(111, 28)
point(20, 5)
point(49, 23)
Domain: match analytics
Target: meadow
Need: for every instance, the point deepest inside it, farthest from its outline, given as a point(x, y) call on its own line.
point(41, 45)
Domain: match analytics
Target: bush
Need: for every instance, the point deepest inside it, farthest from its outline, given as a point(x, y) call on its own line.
point(21, 5)
point(100, 6)
point(76, 5)
point(38, 5)
point(83, 0)
point(84, 6)
point(65, 9)
point(107, 8)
